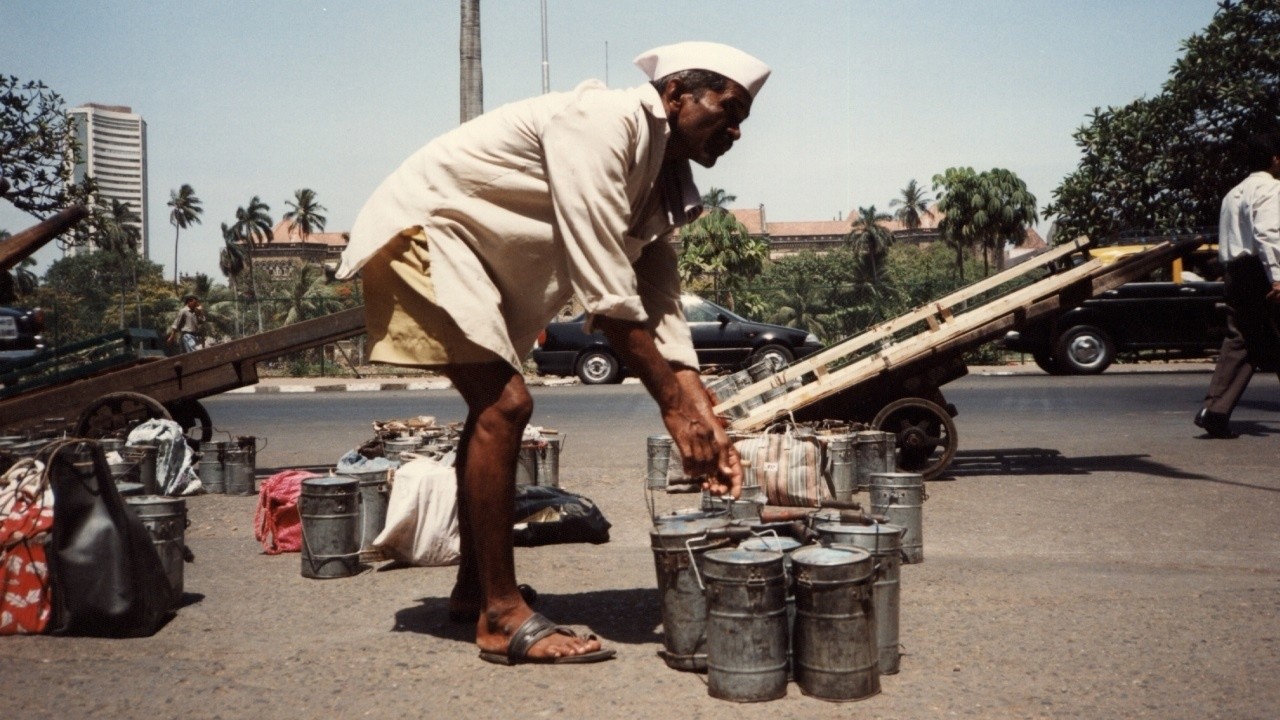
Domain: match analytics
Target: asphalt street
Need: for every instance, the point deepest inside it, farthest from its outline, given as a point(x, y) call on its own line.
point(1088, 554)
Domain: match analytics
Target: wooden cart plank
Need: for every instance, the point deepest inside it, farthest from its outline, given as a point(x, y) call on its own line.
point(899, 353)
point(189, 376)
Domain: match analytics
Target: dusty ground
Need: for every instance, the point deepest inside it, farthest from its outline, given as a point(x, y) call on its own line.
point(1092, 581)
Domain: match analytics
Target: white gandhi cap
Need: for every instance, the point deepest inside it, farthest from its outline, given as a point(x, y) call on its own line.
point(730, 62)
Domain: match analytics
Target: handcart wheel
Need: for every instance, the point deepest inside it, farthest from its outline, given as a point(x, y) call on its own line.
point(115, 414)
point(195, 421)
point(926, 435)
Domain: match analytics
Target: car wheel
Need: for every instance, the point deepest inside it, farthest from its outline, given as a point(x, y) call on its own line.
point(598, 367)
point(778, 355)
point(1047, 362)
point(1085, 350)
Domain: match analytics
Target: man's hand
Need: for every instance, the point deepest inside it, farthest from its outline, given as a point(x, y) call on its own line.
point(1273, 295)
point(704, 446)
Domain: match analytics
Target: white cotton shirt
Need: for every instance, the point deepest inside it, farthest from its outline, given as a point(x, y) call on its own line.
point(1249, 223)
point(539, 200)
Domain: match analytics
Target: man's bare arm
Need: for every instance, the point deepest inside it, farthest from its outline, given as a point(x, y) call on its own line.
point(684, 403)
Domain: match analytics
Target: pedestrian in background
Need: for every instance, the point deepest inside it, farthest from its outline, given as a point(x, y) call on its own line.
point(1249, 247)
point(188, 327)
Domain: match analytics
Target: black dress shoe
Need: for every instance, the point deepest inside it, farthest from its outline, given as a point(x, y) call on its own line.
point(1214, 424)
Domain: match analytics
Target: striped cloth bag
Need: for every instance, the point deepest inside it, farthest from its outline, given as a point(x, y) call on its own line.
point(786, 467)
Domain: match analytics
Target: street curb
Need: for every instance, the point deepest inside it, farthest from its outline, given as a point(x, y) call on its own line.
point(302, 385)
point(296, 385)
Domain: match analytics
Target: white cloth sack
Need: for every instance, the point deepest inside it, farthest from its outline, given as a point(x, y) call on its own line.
point(422, 514)
point(174, 473)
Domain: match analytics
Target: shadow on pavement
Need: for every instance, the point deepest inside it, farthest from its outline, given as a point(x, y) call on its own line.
point(1043, 461)
point(621, 616)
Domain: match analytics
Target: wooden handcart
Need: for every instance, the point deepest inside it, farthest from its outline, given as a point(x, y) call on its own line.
point(890, 377)
point(99, 398)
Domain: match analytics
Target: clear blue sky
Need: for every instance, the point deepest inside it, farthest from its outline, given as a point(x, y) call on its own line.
point(263, 97)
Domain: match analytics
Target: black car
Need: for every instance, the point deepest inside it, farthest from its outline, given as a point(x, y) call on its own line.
point(720, 337)
point(20, 336)
point(1173, 313)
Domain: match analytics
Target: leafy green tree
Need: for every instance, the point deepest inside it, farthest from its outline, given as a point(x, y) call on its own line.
point(37, 149)
point(185, 210)
point(305, 213)
point(1162, 164)
point(800, 290)
point(913, 206)
point(82, 294)
point(717, 247)
point(870, 240)
point(201, 285)
point(253, 227)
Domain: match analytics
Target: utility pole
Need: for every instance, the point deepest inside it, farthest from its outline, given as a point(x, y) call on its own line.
point(546, 67)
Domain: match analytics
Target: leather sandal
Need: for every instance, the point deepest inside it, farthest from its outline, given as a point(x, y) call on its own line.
point(529, 633)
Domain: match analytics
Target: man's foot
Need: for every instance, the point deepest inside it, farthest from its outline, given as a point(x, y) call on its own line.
point(538, 640)
point(1214, 424)
point(464, 607)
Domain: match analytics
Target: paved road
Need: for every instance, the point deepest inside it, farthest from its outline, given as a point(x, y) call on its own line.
point(1088, 556)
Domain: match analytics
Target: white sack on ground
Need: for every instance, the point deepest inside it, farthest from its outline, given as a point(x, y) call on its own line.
point(422, 514)
point(174, 473)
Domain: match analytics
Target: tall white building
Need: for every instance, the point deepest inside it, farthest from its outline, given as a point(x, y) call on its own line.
point(113, 149)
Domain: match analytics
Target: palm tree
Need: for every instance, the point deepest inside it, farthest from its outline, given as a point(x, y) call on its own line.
point(472, 75)
point(1012, 209)
point(912, 206)
point(305, 214)
point(231, 261)
point(25, 281)
point(186, 211)
point(717, 200)
point(985, 209)
point(309, 295)
point(960, 202)
point(870, 239)
point(116, 232)
point(253, 226)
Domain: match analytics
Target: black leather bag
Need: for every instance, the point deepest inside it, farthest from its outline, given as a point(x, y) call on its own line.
point(548, 515)
point(106, 574)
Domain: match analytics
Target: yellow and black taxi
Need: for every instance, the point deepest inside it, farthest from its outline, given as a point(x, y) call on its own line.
point(1172, 313)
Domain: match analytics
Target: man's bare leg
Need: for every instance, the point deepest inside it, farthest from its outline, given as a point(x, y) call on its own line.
point(498, 407)
point(464, 601)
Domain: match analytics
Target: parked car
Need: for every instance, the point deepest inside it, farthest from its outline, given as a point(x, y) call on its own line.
point(1173, 313)
point(20, 334)
point(720, 337)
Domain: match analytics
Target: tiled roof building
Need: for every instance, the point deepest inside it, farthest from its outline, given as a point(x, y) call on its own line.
point(288, 248)
point(789, 238)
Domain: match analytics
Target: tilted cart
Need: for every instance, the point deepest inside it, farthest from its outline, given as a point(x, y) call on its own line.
point(890, 377)
point(99, 399)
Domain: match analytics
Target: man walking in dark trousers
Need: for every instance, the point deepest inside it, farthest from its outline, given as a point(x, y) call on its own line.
point(1249, 247)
